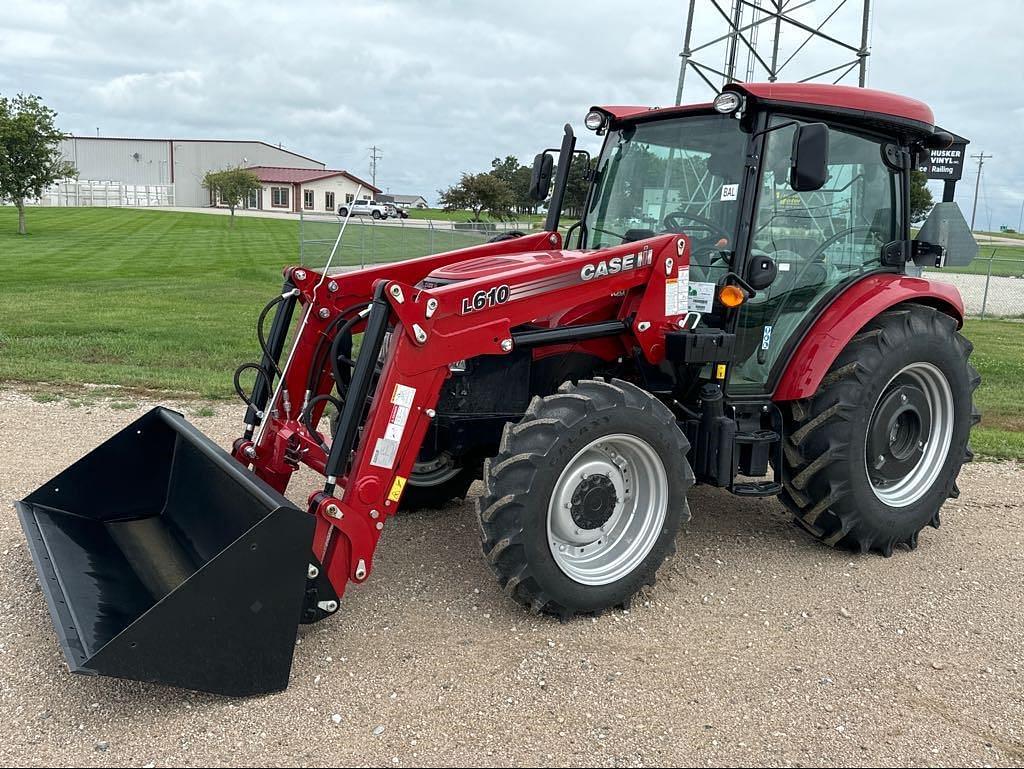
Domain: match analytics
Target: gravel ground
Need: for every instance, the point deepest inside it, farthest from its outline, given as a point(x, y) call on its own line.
point(1004, 297)
point(757, 646)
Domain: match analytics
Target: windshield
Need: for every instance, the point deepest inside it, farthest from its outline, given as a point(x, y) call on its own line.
point(679, 175)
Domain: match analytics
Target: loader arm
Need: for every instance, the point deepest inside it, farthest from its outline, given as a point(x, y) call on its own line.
point(374, 449)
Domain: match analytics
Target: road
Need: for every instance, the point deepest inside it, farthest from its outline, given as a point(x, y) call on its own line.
point(757, 646)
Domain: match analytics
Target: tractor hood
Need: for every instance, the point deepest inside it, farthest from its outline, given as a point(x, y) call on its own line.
point(485, 266)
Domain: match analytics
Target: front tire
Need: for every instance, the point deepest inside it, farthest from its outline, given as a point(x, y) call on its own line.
point(873, 455)
point(376, 214)
point(585, 497)
point(435, 484)
point(342, 212)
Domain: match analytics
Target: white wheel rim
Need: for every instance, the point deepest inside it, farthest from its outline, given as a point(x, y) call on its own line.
point(605, 553)
point(935, 448)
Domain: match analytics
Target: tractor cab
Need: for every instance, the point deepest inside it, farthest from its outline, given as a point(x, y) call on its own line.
point(791, 191)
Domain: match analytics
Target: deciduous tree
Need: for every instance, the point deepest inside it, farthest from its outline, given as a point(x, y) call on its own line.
point(478, 193)
point(30, 158)
point(232, 185)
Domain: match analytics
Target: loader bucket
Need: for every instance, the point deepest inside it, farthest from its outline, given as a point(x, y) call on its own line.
point(163, 559)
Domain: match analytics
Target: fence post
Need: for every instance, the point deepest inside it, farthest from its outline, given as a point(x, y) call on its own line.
point(988, 279)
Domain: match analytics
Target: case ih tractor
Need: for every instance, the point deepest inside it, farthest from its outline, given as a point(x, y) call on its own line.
point(733, 308)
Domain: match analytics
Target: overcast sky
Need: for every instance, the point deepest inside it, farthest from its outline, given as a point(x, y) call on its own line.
point(442, 87)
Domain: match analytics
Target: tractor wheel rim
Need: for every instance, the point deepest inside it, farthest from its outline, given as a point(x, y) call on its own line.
point(434, 472)
point(607, 509)
point(931, 414)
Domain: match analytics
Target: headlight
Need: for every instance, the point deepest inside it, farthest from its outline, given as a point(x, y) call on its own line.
point(594, 120)
point(728, 102)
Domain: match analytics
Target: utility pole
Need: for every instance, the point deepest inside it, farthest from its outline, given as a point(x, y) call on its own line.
point(981, 156)
point(375, 155)
point(1020, 222)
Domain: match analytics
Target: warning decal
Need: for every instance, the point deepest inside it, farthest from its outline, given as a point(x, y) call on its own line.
point(396, 489)
point(386, 448)
point(677, 292)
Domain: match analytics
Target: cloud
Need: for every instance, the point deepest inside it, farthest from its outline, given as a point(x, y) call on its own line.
point(444, 86)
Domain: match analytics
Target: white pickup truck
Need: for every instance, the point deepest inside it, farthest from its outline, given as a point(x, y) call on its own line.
point(364, 208)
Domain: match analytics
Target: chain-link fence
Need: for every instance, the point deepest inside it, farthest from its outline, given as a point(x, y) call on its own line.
point(992, 286)
point(368, 241)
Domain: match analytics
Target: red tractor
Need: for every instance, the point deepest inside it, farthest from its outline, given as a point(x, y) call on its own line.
point(733, 308)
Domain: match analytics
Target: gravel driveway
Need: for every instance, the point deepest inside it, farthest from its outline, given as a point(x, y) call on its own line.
point(757, 646)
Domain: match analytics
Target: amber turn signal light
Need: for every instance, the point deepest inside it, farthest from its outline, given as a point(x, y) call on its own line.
point(731, 296)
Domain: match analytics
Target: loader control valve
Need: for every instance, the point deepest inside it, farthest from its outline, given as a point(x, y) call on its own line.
point(593, 502)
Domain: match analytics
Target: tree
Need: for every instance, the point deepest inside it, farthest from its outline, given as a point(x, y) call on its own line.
point(516, 177)
point(920, 196)
point(30, 158)
point(232, 186)
point(577, 185)
point(478, 193)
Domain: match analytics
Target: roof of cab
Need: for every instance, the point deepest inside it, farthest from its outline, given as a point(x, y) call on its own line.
point(864, 103)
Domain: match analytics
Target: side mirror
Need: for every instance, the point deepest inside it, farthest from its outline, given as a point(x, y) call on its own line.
point(809, 170)
point(540, 181)
point(761, 271)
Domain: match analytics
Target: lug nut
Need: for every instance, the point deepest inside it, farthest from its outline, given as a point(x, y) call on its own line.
point(506, 345)
point(332, 286)
point(324, 313)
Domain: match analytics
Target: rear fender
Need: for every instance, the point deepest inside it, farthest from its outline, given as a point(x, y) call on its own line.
point(847, 315)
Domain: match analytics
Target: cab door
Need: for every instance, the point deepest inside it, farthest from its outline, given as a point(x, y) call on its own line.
point(821, 241)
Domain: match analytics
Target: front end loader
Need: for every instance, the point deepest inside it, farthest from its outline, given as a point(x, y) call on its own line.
point(733, 308)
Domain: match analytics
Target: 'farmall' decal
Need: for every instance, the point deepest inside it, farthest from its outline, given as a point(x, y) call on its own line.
point(618, 264)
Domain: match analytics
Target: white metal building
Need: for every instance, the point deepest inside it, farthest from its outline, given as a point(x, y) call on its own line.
point(176, 166)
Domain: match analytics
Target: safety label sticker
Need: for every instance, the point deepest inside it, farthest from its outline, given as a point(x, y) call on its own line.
point(702, 297)
point(396, 489)
point(386, 449)
point(730, 191)
point(677, 291)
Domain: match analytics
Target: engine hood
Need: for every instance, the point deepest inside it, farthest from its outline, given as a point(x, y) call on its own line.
point(485, 266)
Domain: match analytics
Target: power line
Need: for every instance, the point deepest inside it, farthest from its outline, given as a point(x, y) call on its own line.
point(982, 157)
point(375, 155)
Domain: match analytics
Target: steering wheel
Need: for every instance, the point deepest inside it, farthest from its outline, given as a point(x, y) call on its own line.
point(672, 224)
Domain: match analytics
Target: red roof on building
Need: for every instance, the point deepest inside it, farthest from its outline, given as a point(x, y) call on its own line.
point(283, 175)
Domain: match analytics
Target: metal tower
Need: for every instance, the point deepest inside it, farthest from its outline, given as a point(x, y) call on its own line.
point(734, 34)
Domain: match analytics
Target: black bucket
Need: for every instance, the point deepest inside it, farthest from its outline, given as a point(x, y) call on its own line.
point(163, 559)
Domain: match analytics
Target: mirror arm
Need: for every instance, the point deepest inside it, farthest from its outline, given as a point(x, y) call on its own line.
point(565, 158)
point(768, 130)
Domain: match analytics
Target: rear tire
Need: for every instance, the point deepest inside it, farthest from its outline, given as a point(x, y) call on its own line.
point(616, 452)
point(342, 212)
point(873, 455)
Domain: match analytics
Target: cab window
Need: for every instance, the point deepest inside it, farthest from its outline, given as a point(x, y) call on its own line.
point(818, 239)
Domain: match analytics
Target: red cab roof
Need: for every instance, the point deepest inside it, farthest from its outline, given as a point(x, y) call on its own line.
point(865, 102)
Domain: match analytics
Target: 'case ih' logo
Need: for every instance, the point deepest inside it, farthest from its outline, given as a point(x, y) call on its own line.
point(618, 264)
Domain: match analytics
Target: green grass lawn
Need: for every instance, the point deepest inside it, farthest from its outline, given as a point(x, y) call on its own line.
point(439, 214)
point(156, 299)
point(1002, 260)
point(167, 300)
point(999, 357)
